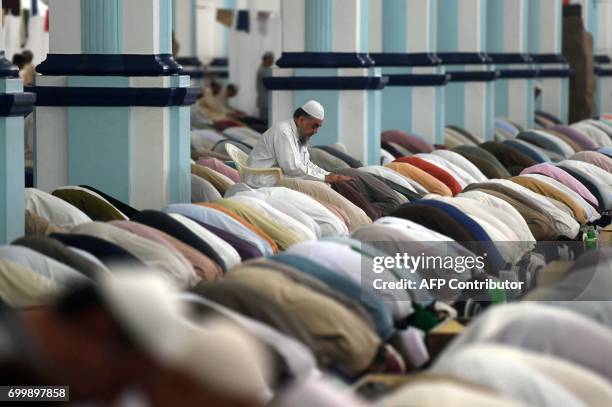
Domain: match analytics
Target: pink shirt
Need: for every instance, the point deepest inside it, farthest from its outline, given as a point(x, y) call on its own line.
point(414, 144)
point(204, 267)
point(579, 138)
point(220, 167)
point(563, 177)
point(592, 157)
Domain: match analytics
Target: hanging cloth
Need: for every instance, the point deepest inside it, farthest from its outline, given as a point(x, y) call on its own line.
point(13, 6)
point(244, 21)
point(34, 8)
point(225, 17)
point(263, 22)
point(25, 27)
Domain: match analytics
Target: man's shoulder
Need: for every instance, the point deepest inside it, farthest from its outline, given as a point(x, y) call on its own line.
point(285, 126)
point(279, 128)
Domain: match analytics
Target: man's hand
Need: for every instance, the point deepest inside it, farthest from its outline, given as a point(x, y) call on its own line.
point(331, 178)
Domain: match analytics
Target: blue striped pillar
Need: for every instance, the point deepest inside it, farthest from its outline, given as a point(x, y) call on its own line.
point(111, 104)
point(401, 42)
point(461, 45)
point(101, 26)
point(507, 46)
point(318, 24)
point(544, 45)
point(14, 105)
point(325, 58)
point(229, 5)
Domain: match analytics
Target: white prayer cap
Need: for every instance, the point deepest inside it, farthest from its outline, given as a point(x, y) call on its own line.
point(314, 108)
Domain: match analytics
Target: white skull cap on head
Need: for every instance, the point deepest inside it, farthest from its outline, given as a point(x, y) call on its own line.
point(314, 108)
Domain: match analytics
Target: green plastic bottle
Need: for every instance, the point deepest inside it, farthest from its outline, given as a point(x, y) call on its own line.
point(590, 238)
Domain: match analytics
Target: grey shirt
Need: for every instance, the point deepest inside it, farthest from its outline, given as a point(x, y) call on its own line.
point(262, 92)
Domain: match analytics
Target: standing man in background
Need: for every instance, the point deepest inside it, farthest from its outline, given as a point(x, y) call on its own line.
point(265, 70)
point(28, 71)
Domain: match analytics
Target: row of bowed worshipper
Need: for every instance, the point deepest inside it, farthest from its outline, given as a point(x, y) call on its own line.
point(266, 296)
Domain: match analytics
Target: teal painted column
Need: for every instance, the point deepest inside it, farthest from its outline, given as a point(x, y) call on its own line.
point(397, 103)
point(544, 46)
point(12, 210)
point(318, 21)
point(180, 149)
point(403, 45)
point(396, 100)
point(496, 27)
point(394, 26)
point(374, 124)
point(507, 47)
point(318, 37)
point(165, 26)
point(112, 105)
point(364, 40)
point(15, 105)
point(229, 5)
point(100, 155)
point(461, 41)
point(535, 9)
point(101, 26)
point(448, 25)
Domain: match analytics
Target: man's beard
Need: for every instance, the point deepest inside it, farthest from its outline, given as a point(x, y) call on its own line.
point(303, 139)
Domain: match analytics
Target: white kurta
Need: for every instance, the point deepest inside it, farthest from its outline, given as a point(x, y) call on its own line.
point(352, 264)
point(55, 210)
point(328, 223)
point(280, 147)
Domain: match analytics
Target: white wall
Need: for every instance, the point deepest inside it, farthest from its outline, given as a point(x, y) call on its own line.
point(211, 35)
point(245, 51)
point(604, 19)
point(38, 40)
